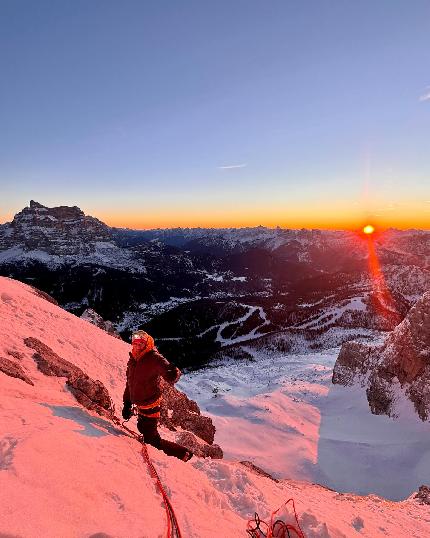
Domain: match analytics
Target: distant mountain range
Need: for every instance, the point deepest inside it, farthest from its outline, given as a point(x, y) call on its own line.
point(202, 290)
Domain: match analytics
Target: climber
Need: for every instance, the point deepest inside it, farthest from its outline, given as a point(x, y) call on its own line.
point(142, 394)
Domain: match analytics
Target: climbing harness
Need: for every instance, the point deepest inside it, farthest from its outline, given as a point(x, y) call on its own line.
point(152, 410)
point(277, 527)
point(173, 530)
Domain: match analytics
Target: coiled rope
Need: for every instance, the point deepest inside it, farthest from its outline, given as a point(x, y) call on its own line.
point(277, 528)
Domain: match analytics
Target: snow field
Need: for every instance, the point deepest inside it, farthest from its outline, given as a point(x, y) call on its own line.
point(67, 472)
point(283, 413)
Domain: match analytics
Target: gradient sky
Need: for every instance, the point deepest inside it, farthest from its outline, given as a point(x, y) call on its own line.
point(218, 113)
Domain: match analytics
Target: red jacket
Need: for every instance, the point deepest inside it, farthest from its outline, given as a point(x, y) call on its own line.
point(143, 377)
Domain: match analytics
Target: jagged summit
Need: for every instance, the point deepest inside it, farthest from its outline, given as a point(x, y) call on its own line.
point(58, 230)
point(35, 205)
point(403, 359)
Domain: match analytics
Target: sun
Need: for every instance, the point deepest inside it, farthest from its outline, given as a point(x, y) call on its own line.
point(368, 229)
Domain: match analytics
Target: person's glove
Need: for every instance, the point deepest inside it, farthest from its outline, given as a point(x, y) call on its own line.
point(126, 411)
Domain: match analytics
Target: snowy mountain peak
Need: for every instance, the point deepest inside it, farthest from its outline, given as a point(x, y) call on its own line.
point(56, 230)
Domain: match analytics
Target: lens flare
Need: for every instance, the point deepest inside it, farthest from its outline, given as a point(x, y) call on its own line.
point(383, 301)
point(368, 229)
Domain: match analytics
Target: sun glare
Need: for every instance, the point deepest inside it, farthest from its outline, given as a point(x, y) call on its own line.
point(369, 229)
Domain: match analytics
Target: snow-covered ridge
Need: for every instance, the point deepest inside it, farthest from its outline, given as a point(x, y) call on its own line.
point(66, 472)
point(274, 238)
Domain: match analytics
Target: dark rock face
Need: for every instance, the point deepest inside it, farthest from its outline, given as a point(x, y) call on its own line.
point(403, 359)
point(257, 470)
point(178, 410)
point(91, 316)
point(45, 296)
point(48, 362)
point(56, 230)
point(15, 354)
point(84, 388)
point(13, 369)
point(423, 495)
point(91, 394)
point(199, 448)
point(352, 364)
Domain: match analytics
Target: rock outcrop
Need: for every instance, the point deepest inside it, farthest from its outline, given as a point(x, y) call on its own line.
point(258, 470)
point(13, 369)
point(44, 295)
point(199, 447)
point(423, 495)
point(177, 410)
point(90, 393)
point(401, 365)
point(91, 316)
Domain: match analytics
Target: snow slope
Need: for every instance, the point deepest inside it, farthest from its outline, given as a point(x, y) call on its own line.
point(67, 472)
point(283, 413)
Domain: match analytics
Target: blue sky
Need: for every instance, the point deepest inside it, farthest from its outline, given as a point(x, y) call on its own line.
point(157, 113)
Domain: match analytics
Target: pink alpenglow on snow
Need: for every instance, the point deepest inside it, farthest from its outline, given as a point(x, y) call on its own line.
point(65, 471)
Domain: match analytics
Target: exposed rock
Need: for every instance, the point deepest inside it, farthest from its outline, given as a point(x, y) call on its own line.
point(199, 447)
point(380, 395)
point(88, 402)
point(353, 363)
point(178, 410)
point(94, 390)
point(92, 394)
point(423, 495)
point(91, 316)
point(49, 363)
point(44, 295)
point(13, 369)
point(403, 360)
point(15, 354)
point(56, 230)
point(257, 470)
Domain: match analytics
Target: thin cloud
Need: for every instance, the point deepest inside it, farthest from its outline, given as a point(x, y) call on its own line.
point(426, 96)
point(232, 166)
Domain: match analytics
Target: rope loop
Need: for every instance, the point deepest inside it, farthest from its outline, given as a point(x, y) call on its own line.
point(277, 528)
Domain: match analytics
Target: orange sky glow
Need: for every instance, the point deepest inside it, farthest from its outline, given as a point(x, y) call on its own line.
point(237, 213)
point(335, 217)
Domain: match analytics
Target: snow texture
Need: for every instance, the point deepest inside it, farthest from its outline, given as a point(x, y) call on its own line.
point(67, 472)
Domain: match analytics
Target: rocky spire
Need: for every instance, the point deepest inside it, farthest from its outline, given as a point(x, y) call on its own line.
point(36, 205)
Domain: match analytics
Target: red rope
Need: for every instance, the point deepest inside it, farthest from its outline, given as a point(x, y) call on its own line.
point(298, 531)
point(283, 530)
point(173, 530)
point(172, 522)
